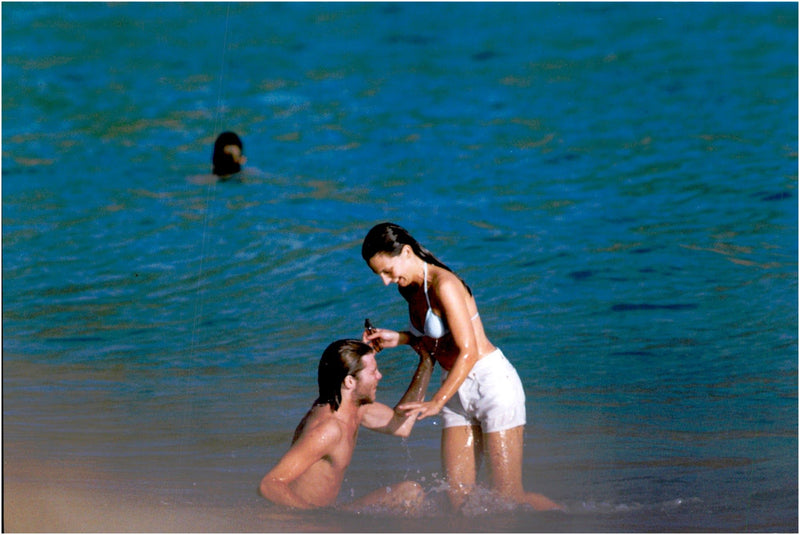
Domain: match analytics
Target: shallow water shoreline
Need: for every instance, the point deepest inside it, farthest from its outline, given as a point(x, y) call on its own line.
point(46, 496)
point(42, 496)
point(49, 497)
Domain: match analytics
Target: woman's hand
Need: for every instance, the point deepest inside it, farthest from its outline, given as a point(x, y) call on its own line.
point(422, 408)
point(381, 338)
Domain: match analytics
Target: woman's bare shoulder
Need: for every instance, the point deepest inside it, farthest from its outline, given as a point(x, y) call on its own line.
point(447, 281)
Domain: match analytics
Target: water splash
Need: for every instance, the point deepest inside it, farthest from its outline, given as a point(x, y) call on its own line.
point(609, 508)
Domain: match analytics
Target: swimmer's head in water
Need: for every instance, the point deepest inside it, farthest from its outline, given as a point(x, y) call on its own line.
point(227, 157)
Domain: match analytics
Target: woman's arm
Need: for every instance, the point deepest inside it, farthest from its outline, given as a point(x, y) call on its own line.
point(419, 382)
point(380, 417)
point(451, 295)
point(387, 338)
point(422, 376)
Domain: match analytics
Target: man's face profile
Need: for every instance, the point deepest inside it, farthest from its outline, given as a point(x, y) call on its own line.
point(367, 379)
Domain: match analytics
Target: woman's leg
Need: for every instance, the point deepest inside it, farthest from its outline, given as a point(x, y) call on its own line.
point(462, 448)
point(504, 449)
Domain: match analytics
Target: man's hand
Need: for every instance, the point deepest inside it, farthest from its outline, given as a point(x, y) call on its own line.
point(423, 408)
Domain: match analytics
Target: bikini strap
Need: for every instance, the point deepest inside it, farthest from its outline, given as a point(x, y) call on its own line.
point(428, 299)
point(425, 267)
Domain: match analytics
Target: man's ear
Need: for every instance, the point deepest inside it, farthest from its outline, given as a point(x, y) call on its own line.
point(349, 382)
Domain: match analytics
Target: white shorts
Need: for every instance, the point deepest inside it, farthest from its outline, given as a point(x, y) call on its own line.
point(491, 396)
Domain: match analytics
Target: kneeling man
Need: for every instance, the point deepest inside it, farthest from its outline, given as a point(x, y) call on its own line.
point(310, 474)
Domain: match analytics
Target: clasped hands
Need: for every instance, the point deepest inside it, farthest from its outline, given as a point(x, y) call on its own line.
point(382, 338)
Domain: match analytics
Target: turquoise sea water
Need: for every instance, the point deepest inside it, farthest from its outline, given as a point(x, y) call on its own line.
point(616, 182)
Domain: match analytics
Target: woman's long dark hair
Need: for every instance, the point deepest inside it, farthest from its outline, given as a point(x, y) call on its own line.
point(389, 238)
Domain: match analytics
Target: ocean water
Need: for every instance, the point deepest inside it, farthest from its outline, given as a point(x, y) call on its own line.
point(616, 182)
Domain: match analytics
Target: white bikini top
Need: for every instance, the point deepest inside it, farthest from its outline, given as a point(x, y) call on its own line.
point(434, 326)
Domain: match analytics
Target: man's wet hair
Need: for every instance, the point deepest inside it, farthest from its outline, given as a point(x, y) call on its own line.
point(340, 359)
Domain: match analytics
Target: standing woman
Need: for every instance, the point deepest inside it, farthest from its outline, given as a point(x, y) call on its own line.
point(481, 397)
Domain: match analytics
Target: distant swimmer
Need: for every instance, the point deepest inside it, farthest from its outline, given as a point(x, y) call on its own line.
point(227, 161)
point(310, 474)
point(228, 157)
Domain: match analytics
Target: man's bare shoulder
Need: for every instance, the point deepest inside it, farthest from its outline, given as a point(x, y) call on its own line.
point(320, 425)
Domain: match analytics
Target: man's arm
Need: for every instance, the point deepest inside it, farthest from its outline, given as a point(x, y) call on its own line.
point(380, 417)
point(309, 448)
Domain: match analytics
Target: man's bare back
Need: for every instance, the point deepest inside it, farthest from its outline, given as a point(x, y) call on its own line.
point(326, 436)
